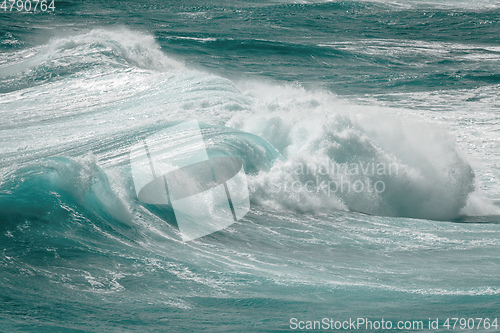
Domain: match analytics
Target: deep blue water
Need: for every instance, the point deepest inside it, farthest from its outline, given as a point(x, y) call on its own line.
point(403, 94)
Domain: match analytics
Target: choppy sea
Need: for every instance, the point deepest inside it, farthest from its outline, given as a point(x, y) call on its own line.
point(373, 166)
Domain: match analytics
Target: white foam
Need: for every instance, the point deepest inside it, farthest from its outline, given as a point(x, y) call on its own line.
point(425, 175)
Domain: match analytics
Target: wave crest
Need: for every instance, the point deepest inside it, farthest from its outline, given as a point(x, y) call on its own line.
point(347, 157)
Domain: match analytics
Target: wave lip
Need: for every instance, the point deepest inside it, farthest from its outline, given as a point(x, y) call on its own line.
point(96, 52)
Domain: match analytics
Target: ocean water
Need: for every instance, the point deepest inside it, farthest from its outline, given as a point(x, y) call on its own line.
point(369, 132)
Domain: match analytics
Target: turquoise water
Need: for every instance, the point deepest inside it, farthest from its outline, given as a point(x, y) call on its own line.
point(404, 92)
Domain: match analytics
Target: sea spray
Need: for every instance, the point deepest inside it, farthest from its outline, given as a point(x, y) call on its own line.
point(338, 155)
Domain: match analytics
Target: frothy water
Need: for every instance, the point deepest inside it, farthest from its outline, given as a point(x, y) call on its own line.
point(372, 164)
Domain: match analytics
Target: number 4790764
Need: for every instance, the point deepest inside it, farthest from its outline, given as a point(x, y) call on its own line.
point(27, 5)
